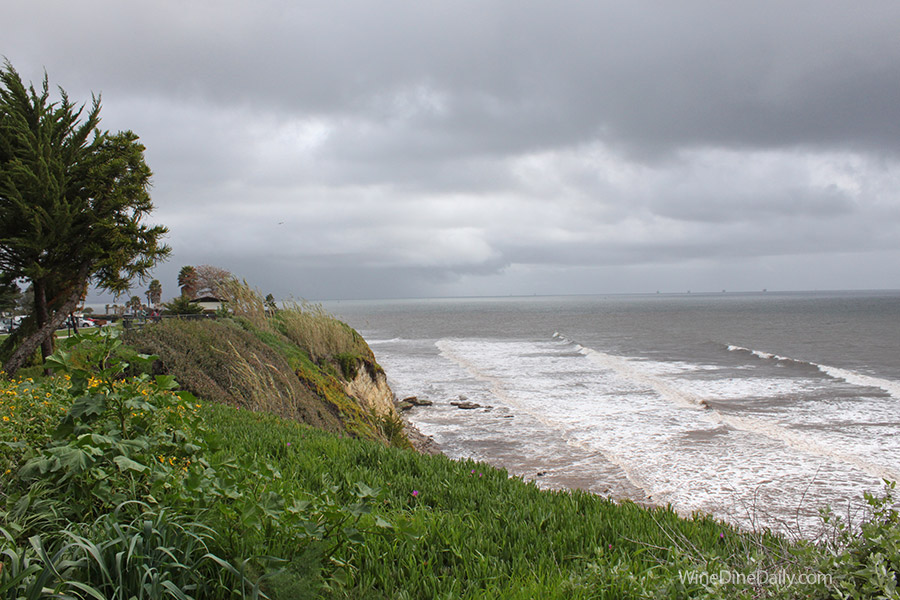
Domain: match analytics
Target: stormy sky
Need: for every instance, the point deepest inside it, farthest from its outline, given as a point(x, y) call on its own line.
point(356, 149)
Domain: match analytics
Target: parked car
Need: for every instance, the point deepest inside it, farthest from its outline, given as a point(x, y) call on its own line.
point(80, 321)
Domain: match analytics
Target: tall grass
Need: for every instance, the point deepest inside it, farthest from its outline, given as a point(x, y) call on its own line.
point(223, 361)
point(321, 335)
point(244, 301)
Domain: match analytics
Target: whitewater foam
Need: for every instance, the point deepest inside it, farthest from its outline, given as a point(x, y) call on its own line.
point(559, 401)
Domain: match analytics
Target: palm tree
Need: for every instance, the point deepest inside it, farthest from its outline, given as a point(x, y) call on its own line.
point(187, 281)
point(154, 292)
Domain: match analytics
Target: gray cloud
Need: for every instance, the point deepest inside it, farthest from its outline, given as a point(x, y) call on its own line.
point(368, 149)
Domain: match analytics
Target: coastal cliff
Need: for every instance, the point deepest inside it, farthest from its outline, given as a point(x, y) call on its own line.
point(298, 364)
point(370, 387)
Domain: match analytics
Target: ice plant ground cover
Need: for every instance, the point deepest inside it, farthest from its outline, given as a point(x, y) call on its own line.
point(114, 484)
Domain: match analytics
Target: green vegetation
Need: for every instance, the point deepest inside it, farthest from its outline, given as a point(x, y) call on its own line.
point(181, 305)
point(10, 294)
point(117, 482)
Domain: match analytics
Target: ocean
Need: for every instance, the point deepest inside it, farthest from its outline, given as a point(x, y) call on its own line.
point(759, 409)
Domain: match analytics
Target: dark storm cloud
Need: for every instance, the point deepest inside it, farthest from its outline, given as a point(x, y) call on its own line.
point(512, 75)
point(441, 145)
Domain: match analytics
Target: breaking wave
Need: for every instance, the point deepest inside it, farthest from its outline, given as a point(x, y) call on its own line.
point(852, 377)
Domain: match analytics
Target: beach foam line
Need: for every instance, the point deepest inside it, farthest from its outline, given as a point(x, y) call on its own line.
point(851, 377)
point(891, 387)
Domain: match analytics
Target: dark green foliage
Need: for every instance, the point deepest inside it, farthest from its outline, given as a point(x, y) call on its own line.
point(154, 292)
point(188, 281)
point(10, 294)
point(349, 364)
point(181, 305)
point(865, 559)
point(72, 200)
point(135, 427)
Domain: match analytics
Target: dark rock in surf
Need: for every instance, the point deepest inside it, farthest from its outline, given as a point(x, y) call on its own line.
point(466, 405)
point(415, 401)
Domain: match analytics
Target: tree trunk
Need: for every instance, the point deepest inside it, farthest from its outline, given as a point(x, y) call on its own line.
point(45, 330)
point(42, 314)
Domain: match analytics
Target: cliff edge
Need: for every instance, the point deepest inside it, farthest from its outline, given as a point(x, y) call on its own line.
point(297, 363)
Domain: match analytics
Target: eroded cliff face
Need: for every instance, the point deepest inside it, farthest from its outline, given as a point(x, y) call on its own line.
point(370, 388)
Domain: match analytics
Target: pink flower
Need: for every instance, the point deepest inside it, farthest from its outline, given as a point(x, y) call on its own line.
point(415, 493)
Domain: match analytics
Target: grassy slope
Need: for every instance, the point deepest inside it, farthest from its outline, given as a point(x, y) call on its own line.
point(483, 534)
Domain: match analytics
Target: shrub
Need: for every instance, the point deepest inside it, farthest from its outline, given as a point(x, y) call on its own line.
point(865, 559)
point(181, 305)
point(120, 437)
point(152, 513)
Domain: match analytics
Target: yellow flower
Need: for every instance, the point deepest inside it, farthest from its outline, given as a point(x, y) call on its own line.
point(6, 418)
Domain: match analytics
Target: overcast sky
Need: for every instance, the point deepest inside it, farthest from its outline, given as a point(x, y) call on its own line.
point(358, 149)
